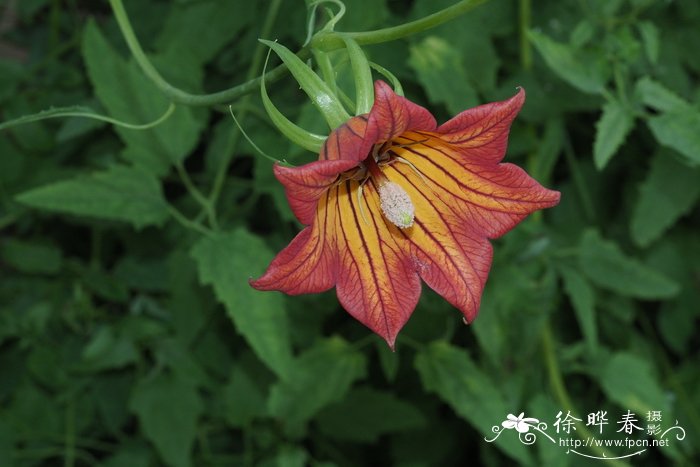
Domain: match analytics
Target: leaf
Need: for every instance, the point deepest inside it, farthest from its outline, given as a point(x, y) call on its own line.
point(611, 130)
point(120, 193)
point(670, 190)
point(366, 414)
point(182, 29)
point(582, 297)
point(627, 379)
point(679, 130)
point(168, 409)
point(606, 266)
point(650, 39)
point(290, 456)
point(227, 262)
point(107, 350)
point(130, 454)
point(318, 377)
point(658, 96)
point(129, 96)
point(442, 73)
point(388, 360)
point(585, 72)
point(30, 257)
point(449, 372)
point(243, 399)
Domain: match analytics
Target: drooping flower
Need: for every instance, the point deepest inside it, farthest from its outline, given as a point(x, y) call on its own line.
point(393, 199)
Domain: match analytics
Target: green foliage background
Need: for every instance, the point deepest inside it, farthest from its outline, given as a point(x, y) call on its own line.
point(129, 337)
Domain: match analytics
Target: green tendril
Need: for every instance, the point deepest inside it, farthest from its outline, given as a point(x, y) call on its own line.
point(85, 112)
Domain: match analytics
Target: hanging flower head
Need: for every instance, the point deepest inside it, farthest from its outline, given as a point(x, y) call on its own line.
point(393, 199)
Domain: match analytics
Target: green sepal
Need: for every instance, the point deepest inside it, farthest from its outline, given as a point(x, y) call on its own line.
point(293, 132)
point(395, 83)
point(364, 89)
point(321, 95)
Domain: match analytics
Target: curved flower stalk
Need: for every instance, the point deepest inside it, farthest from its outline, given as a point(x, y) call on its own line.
point(393, 199)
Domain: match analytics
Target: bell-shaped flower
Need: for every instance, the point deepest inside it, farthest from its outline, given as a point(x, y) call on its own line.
point(395, 199)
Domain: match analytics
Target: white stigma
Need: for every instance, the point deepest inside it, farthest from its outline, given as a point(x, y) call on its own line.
point(396, 205)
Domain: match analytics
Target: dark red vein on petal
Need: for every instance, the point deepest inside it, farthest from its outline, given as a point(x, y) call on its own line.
point(486, 128)
point(498, 198)
point(320, 243)
point(447, 228)
point(369, 256)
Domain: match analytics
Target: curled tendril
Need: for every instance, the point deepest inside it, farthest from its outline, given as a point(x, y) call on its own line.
point(330, 25)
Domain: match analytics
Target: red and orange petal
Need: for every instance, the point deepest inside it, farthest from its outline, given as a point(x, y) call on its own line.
point(489, 198)
point(392, 115)
point(351, 246)
point(483, 130)
point(305, 185)
point(307, 264)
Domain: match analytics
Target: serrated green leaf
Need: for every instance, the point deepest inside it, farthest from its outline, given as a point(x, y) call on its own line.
point(168, 409)
point(227, 261)
point(612, 128)
point(658, 96)
point(585, 72)
point(449, 372)
point(120, 193)
point(608, 267)
point(627, 380)
point(670, 190)
point(366, 414)
point(318, 377)
point(442, 73)
point(679, 130)
point(129, 96)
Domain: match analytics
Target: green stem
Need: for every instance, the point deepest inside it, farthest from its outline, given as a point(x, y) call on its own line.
point(324, 41)
point(557, 383)
point(197, 195)
point(579, 182)
point(331, 40)
point(255, 65)
point(174, 93)
point(187, 223)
